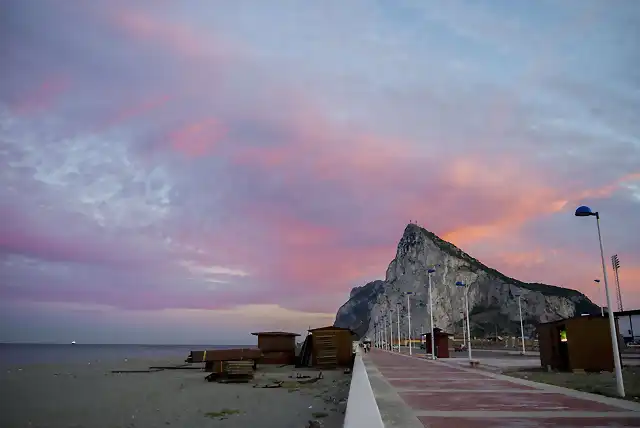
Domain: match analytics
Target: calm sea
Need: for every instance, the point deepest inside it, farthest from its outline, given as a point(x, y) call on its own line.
point(24, 354)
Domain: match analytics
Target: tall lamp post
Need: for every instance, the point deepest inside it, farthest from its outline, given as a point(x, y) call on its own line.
point(597, 281)
point(519, 295)
point(391, 329)
point(466, 303)
point(584, 211)
point(464, 329)
point(398, 311)
point(433, 339)
point(387, 332)
point(409, 293)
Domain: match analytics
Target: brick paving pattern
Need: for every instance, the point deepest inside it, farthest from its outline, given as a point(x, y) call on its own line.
point(442, 396)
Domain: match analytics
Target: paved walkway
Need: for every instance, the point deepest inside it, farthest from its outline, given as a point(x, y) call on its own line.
point(412, 392)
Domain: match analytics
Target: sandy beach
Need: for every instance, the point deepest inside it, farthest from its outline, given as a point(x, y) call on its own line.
point(90, 396)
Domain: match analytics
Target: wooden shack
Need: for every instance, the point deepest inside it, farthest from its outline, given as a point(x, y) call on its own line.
point(214, 359)
point(578, 343)
point(441, 342)
point(332, 347)
point(278, 347)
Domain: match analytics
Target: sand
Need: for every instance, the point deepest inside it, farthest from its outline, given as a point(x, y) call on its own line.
point(74, 396)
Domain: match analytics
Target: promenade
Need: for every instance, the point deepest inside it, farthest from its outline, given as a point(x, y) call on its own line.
point(412, 392)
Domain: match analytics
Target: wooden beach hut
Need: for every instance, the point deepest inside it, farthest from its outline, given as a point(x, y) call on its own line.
point(278, 347)
point(332, 347)
point(578, 343)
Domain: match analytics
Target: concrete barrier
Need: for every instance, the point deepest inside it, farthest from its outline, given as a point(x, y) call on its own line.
point(362, 409)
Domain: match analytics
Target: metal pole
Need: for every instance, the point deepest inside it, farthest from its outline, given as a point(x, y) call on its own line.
point(391, 329)
point(464, 329)
point(605, 302)
point(398, 310)
point(612, 319)
point(388, 334)
point(375, 328)
point(433, 339)
point(521, 326)
point(466, 299)
point(409, 320)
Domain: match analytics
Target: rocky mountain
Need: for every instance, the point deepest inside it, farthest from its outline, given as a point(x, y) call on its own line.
point(493, 305)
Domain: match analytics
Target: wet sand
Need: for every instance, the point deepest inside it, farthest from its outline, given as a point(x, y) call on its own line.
point(90, 396)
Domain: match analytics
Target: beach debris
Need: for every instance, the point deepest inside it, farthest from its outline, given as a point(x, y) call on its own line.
point(314, 423)
point(273, 384)
point(308, 381)
point(300, 376)
point(319, 415)
point(347, 371)
point(178, 367)
point(222, 414)
point(136, 371)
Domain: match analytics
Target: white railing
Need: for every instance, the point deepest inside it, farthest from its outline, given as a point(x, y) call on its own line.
point(362, 409)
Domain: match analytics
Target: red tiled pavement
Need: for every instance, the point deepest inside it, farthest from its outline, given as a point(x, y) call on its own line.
point(437, 422)
point(442, 396)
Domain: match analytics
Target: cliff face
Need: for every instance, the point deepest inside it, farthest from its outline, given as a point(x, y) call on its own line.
point(492, 302)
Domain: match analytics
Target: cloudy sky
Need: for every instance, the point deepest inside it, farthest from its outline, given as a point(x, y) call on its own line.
point(189, 171)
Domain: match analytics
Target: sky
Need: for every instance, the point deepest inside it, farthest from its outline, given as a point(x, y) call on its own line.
point(191, 171)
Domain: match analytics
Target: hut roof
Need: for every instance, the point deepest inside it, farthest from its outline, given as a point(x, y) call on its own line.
point(575, 317)
point(330, 327)
point(275, 333)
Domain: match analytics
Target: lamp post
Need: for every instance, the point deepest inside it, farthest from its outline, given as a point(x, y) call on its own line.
point(464, 329)
point(597, 281)
point(387, 333)
point(518, 295)
point(398, 311)
point(391, 329)
point(584, 211)
point(409, 293)
point(433, 339)
point(466, 303)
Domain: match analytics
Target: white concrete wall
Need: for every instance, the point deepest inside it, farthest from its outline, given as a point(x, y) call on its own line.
point(362, 409)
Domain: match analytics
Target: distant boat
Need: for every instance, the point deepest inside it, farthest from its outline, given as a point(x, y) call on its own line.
point(73, 343)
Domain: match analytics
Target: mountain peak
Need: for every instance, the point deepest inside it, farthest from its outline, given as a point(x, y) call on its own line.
point(491, 293)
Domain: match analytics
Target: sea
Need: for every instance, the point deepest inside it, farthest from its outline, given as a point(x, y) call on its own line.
point(23, 354)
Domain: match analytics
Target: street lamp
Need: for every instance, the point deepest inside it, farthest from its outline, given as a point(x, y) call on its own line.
point(390, 329)
point(464, 329)
point(466, 302)
point(409, 293)
point(398, 311)
point(387, 333)
point(518, 295)
point(584, 211)
point(597, 281)
point(433, 339)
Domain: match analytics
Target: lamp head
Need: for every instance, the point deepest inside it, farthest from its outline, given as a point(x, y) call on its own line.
point(596, 280)
point(584, 211)
point(460, 283)
point(431, 270)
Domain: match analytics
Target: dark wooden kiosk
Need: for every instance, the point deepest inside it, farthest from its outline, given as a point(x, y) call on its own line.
point(578, 343)
point(278, 347)
point(441, 342)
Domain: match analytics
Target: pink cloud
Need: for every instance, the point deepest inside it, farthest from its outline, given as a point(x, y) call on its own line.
point(41, 96)
point(198, 138)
